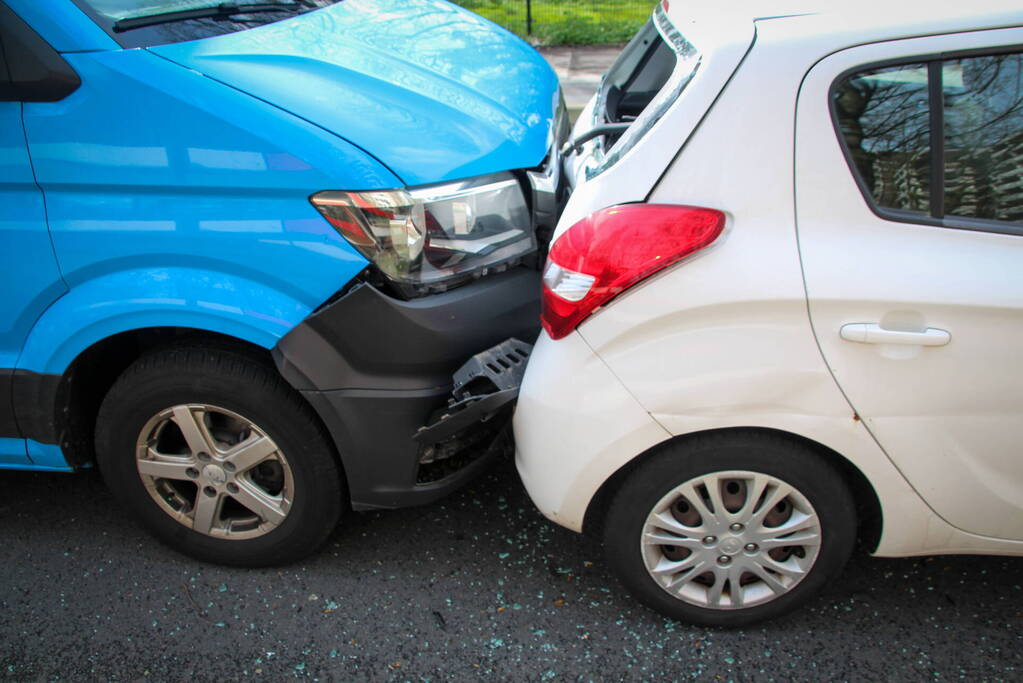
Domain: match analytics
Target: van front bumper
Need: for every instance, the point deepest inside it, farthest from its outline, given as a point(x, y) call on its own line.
point(376, 368)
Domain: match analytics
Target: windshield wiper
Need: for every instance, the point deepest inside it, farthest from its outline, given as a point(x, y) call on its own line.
point(595, 132)
point(223, 9)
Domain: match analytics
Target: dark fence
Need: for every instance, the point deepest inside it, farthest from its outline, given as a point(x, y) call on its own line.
point(554, 22)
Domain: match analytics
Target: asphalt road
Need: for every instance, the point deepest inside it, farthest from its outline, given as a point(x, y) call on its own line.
point(477, 585)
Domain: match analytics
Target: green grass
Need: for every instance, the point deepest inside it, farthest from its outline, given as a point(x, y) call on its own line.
point(567, 22)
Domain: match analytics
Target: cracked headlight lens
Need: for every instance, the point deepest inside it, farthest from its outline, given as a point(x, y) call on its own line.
point(432, 237)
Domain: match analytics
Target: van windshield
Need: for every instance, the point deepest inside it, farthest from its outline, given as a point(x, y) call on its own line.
point(144, 23)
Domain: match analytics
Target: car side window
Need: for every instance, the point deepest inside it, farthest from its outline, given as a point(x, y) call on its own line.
point(983, 101)
point(884, 119)
point(937, 141)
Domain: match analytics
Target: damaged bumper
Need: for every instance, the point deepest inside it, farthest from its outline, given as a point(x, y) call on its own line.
point(379, 372)
point(473, 422)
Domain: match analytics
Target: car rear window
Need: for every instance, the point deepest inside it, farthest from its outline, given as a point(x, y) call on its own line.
point(648, 76)
point(939, 140)
point(638, 74)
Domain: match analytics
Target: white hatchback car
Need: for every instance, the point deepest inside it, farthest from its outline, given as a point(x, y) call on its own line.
point(784, 304)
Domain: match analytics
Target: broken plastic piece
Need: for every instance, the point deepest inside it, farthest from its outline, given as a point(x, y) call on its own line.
point(484, 388)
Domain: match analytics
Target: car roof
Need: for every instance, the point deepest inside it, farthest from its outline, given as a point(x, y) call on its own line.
point(873, 20)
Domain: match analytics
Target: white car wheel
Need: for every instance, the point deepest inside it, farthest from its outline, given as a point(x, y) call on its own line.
point(727, 530)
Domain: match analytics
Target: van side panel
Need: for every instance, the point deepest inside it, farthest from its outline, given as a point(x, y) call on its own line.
point(173, 199)
point(167, 296)
point(12, 454)
point(29, 277)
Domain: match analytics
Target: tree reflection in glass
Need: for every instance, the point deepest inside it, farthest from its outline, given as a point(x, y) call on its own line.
point(983, 131)
point(884, 118)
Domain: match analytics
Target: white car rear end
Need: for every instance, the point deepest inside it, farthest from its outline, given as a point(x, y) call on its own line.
point(757, 343)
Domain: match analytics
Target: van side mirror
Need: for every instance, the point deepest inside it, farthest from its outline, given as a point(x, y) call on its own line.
point(31, 70)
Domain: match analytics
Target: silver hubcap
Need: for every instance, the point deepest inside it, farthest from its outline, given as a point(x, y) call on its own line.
point(731, 540)
point(214, 471)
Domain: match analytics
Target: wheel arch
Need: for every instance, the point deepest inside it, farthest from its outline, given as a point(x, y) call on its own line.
point(87, 337)
point(89, 376)
point(134, 299)
point(869, 511)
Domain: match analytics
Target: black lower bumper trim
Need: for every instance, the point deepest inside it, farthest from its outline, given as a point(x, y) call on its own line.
point(375, 369)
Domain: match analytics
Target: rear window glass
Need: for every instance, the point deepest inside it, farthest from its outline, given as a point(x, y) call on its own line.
point(638, 74)
point(937, 139)
point(646, 79)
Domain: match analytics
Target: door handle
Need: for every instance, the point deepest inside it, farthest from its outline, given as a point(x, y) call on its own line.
point(872, 333)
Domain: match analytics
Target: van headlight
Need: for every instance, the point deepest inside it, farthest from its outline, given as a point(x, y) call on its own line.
point(430, 238)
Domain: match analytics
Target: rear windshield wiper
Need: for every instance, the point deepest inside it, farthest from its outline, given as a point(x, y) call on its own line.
point(223, 9)
point(595, 132)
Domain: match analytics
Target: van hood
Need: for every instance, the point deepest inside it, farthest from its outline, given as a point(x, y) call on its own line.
point(431, 90)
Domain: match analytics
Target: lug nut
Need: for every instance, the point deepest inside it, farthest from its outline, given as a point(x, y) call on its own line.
point(751, 547)
point(204, 456)
point(192, 472)
point(210, 491)
point(233, 488)
point(229, 466)
point(737, 528)
point(710, 540)
point(724, 559)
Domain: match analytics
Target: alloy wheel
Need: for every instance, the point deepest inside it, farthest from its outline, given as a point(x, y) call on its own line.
point(214, 471)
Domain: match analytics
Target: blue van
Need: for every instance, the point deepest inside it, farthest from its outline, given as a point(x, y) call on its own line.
point(246, 244)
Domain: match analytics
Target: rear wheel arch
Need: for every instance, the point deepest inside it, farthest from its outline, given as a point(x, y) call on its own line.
point(868, 505)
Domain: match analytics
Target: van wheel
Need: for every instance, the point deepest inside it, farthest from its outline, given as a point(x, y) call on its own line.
point(219, 458)
point(728, 530)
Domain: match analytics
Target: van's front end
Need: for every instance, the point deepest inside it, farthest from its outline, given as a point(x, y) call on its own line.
point(351, 196)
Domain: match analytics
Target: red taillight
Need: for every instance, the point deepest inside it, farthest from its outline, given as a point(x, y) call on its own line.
point(609, 251)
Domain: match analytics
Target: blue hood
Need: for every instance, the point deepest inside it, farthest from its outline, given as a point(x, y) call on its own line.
point(431, 90)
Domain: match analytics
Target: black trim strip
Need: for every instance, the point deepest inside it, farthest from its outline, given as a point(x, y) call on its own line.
point(936, 113)
point(28, 403)
point(8, 424)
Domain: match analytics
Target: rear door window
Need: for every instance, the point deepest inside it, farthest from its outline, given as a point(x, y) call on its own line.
point(938, 141)
point(884, 119)
point(983, 102)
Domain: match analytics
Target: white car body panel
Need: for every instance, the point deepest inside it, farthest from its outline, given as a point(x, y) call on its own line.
point(724, 338)
point(569, 392)
point(630, 179)
point(949, 415)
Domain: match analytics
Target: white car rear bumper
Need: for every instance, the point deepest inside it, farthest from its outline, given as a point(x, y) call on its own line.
point(575, 424)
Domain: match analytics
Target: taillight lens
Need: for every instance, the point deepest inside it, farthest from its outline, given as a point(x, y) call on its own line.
point(609, 251)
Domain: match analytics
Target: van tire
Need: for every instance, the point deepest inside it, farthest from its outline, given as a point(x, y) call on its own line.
point(251, 480)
